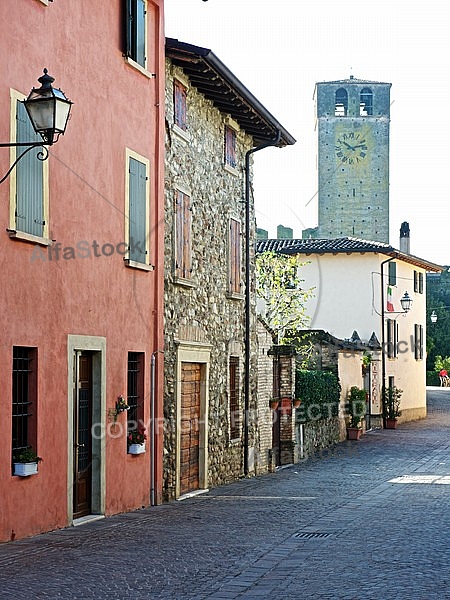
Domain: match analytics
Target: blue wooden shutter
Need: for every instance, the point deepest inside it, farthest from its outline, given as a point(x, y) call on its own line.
point(137, 215)
point(29, 179)
point(140, 33)
point(129, 27)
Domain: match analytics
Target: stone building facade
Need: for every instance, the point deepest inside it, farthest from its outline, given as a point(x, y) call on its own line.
point(208, 135)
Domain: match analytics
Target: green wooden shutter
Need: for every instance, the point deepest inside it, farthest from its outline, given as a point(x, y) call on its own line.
point(29, 179)
point(138, 214)
point(392, 273)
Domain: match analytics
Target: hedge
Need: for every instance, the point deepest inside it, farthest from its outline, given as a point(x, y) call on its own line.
point(319, 392)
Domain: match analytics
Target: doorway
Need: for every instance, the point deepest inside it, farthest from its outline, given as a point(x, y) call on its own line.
point(87, 427)
point(82, 436)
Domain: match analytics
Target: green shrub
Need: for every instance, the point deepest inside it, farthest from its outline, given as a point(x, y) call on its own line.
point(319, 392)
point(433, 378)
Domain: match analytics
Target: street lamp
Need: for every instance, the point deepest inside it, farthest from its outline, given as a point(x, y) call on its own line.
point(48, 110)
point(433, 317)
point(406, 302)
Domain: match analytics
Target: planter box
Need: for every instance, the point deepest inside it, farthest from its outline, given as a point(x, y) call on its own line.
point(353, 433)
point(390, 423)
point(136, 448)
point(25, 469)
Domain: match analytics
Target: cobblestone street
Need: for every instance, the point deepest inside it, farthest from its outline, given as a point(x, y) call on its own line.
point(366, 520)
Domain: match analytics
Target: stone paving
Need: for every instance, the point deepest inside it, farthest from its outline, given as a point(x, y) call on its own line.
point(365, 520)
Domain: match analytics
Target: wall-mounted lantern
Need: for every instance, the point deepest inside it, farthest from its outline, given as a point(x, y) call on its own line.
point(49, 111)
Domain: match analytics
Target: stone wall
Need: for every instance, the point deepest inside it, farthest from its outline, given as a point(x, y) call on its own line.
point(200, 311)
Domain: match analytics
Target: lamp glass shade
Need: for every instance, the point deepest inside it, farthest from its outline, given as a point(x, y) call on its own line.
point(406, 302)
point(49, 110)
point(433, 317)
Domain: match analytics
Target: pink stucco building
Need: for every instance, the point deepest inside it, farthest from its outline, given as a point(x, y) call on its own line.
point(82, 263)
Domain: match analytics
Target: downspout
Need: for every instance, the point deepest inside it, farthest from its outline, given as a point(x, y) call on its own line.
point(273, 142)
point(153, 425)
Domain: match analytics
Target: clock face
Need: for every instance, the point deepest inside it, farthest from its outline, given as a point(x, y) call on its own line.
point(351, 148)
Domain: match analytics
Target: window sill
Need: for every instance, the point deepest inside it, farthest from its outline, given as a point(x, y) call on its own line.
point(234, 296)
point(188, 283)
point(132, 264)
point(139, 68)
point(28, 237)
point(231, 170)
point(181, 133)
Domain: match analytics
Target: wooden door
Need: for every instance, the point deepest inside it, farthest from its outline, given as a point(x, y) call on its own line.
point(190, 427)
point(82, 436)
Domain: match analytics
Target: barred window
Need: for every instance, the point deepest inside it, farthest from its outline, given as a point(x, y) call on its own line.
point(235, 415)
point(24, 399)
point(135, 391)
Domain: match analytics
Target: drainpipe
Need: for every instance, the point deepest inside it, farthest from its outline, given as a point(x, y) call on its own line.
point(152, 425)
point(273, 142)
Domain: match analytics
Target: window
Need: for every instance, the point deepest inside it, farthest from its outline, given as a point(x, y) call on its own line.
point(183, 262)
point(418, 342)
point(135, 391)
point(29, 179)
point(230, 147)
point(137, 211)
point(392, 338)
point(392, 273)
point(179, 104)
point(136, 11)
point(235, 257)
point(24, 399)
point(235, 415)
point(418, 282)
point(366, 103)
point(341, 103)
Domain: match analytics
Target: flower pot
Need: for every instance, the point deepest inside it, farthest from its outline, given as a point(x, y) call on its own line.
point(353, 433)
point(390, 423)
point(136, 448)
point(25, 469)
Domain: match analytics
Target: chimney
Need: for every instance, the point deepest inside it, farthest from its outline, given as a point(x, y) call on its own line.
point(404, 238)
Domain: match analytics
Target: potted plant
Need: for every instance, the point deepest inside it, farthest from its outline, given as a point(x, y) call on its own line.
point(26, 462)
point(274, 402)
point(120, 407)
point(366, 360)
point(391, 406)
point(356, 411)
point(136, 441)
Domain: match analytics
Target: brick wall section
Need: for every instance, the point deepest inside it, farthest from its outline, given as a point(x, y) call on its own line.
point(203, 312)
point(265, 392)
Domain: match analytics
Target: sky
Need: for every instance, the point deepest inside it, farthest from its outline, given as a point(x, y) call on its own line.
point(279, 49)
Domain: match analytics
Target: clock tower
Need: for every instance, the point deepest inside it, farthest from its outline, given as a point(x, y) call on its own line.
point(353, 159)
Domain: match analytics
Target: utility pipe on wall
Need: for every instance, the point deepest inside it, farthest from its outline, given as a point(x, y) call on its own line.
point(273, 142)
point(152, 424)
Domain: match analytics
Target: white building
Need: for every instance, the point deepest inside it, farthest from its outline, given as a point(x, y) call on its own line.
point(359, 286)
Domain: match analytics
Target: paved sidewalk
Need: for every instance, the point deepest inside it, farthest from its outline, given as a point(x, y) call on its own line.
point(366, 520)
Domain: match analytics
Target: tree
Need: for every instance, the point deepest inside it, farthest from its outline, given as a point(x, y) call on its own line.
point(281, 298)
